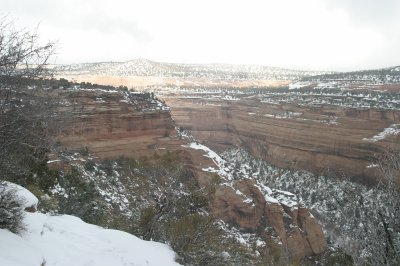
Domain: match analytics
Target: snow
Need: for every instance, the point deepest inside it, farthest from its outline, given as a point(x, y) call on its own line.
point(248, 200)
point(96, 90)
point(268, 192)
point(28, 199)
point(286, 193)
point(372, 165)
point(53, 161)
point(238, 192)
point(67, 240)
point(209, 153)
point(286, 115)
point(260, 243)
point(393, 129)
point(298, 85)
point(219, 162)
point(225, 169)
point(284, 197)
point(270, 199)
point(230, 98)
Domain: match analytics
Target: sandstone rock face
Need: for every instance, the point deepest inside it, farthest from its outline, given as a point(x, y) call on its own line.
point(314, 234)
point(244, 205)
point(111, 124)
point(325, 140)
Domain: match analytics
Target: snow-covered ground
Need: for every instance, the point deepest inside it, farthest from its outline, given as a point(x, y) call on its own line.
point(67, 240)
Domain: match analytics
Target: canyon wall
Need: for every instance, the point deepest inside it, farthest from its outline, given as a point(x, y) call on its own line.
point(322, 122)
point(109, 124)
point(329, 140)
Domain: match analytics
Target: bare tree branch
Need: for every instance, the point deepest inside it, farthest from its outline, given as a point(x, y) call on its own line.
point(23, 114)
point(21, 54)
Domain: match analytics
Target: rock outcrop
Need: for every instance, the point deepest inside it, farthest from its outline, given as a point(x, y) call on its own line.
point(241, 203)
point(296, 232)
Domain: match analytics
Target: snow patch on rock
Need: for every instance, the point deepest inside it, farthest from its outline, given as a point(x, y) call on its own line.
point(28, 199)
point(393, 129)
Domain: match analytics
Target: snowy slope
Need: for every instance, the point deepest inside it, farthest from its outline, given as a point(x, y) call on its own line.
point(67, 240)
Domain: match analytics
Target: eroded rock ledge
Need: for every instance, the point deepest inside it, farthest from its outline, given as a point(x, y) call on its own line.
point(295, 230)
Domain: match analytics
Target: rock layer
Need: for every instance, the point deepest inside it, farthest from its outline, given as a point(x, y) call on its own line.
point(322, 139)
point(110, 125)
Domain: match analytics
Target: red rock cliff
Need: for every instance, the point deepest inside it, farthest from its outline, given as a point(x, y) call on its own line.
point(324, 140)
point(110, 124)
point(296, 232)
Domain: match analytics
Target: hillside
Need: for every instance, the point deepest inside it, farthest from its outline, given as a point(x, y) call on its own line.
point(142, 73)
point(144, 67)
point(390, 75)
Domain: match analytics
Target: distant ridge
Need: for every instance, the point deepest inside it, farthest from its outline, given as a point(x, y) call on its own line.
point(389, 75)
point(144, 67)
point(147, 68)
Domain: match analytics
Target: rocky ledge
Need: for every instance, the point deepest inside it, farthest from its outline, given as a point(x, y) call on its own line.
point(295, 230)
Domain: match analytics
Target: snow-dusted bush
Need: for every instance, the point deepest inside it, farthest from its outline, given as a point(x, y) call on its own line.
point(11, 209)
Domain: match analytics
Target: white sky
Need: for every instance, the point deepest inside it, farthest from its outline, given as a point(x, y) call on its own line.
point(307, 34)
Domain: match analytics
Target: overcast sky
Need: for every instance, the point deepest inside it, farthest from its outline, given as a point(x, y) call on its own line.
point(306, 34)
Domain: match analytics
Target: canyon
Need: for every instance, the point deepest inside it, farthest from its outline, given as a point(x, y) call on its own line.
point(335, 124)
point(115, 123)
point(332, 125)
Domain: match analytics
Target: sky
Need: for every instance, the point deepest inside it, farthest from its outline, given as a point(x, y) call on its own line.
point(308, 34)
